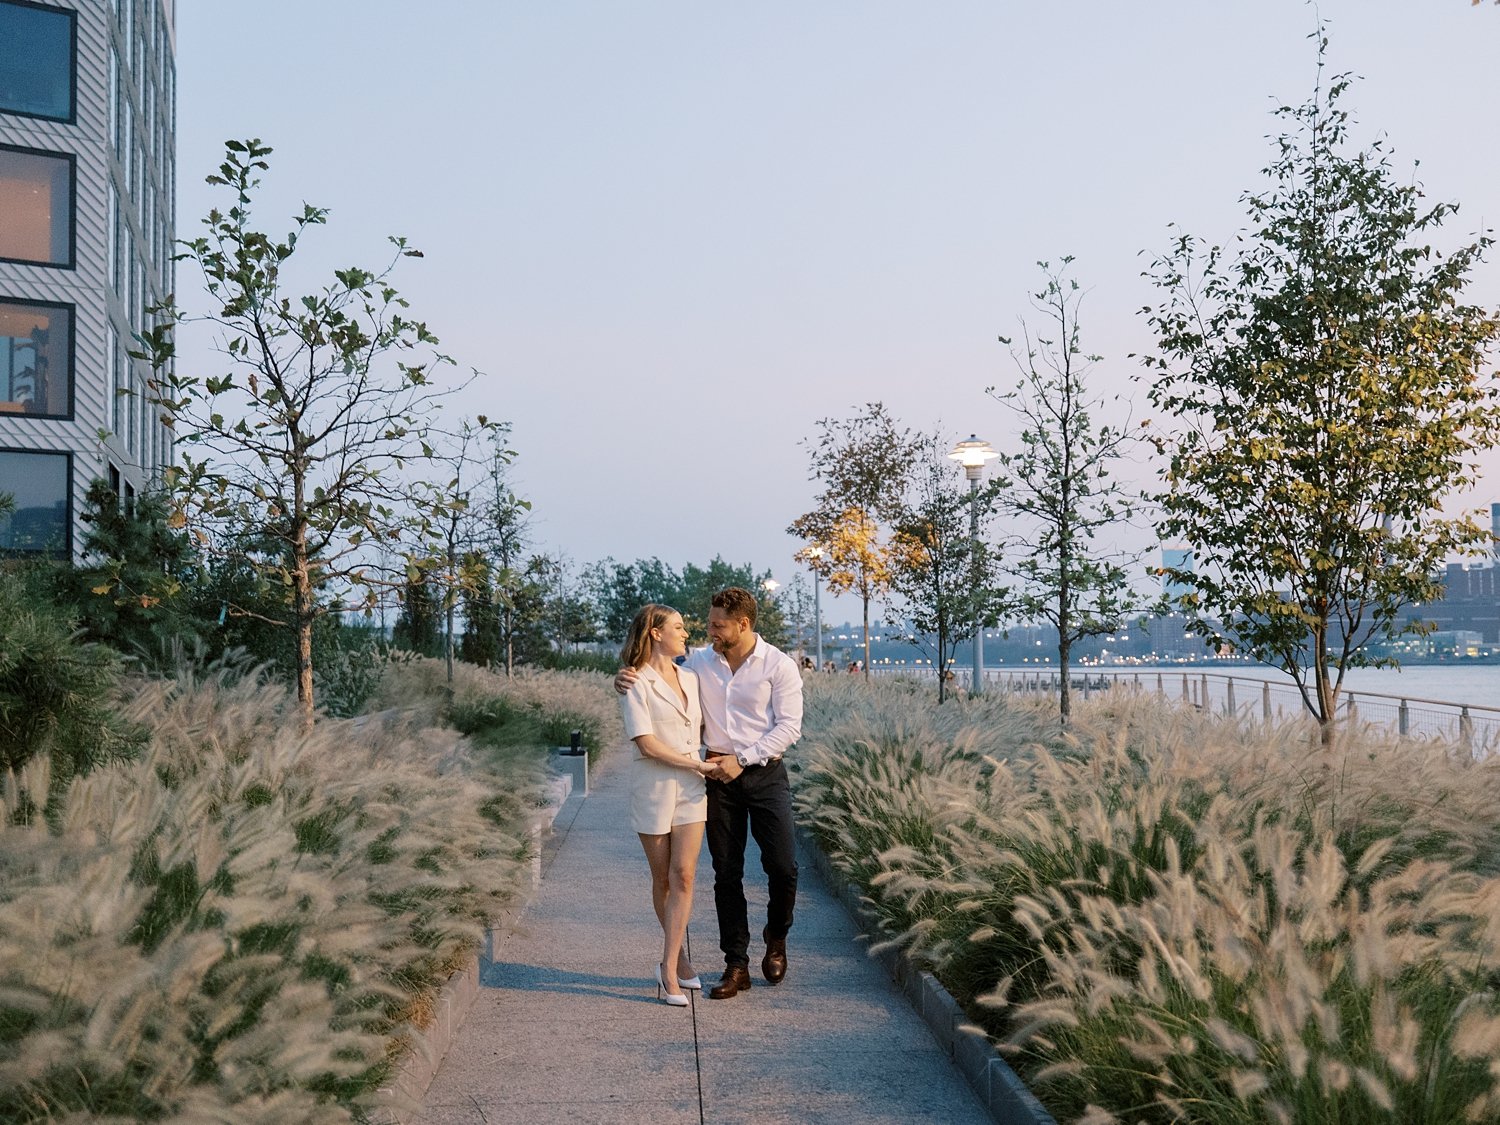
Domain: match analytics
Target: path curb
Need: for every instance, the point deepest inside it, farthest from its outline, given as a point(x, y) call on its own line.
point(999, 1088)
point(400, 1101)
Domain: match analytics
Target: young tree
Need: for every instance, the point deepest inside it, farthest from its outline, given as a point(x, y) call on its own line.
point(457, 524)
point(505, 533)
point(1327, 387)
point(863, 464)
point(618, 590)
point(945, 576)
point(1059, 484)
point(795, 600)
point(698, 585)
point(417, 624)
point(129, 587)
point(327, 397)
point(482, 627)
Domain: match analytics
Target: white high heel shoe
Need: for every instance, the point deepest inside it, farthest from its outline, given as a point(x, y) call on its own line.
point(694, 983)
point(671, 999)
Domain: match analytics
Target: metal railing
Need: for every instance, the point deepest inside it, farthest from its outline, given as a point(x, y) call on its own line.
point(1473, 726)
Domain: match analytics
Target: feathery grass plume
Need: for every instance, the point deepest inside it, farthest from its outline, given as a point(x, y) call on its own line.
point(1170, 916)
point(244, 923)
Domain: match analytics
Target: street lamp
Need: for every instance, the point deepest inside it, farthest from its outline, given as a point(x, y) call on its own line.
point(973, 455)
point(816, 553)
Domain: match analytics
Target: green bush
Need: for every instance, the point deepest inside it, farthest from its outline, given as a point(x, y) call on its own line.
point(580, 661)
point(56, 691)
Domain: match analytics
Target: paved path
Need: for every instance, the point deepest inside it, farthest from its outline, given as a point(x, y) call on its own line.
point(567, 1027)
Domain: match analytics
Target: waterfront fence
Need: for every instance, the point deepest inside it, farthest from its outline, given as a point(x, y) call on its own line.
point(1473, 726)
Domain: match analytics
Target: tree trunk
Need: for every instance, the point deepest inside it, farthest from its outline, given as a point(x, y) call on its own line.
point(1327, 701)
point(303, 612)
point(942, 661)
point(448, 640)
point(866, 603)
point(1065, 696)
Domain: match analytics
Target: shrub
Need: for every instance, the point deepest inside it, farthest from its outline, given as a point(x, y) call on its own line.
point(1173, 917)
point(244, 923)
point(55, 692)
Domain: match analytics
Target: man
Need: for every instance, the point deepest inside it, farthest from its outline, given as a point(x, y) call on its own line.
point(751, 694)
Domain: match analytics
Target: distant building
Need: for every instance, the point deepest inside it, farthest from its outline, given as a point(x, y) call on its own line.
point(1470, 602)
point(87, 142)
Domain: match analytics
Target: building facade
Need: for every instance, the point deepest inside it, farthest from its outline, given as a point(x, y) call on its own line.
point(87, 219)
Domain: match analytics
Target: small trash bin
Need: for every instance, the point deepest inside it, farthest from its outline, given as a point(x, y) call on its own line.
point(573, 760)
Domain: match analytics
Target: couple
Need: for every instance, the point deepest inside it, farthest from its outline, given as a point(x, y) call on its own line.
point(741, 700)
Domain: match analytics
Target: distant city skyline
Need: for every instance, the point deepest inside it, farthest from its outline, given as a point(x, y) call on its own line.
point(673, 236)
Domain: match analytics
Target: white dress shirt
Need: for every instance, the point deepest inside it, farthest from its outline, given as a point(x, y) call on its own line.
point(754, 713)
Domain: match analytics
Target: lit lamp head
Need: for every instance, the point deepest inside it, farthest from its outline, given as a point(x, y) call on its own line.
point(973, 454)
point(770, 586)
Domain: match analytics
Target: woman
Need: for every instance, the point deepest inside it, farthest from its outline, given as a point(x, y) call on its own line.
point(668, 800)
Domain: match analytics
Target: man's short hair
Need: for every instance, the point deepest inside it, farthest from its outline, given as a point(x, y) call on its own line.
point(736, 602)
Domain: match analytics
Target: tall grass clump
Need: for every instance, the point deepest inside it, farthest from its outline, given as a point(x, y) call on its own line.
point(246, 922)
point(539, 705)
point(1168, 916)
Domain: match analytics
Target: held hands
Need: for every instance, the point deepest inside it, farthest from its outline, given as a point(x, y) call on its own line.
point(722, 767)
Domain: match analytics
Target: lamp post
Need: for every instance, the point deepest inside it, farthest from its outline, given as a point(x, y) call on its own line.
point(973, 454)
point(816, 553)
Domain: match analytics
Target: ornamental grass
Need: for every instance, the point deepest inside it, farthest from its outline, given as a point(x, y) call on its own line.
point(546, 705)
point(1167, 916)
point(245, 923)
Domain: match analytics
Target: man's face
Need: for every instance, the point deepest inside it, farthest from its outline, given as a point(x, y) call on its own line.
point(724, 632)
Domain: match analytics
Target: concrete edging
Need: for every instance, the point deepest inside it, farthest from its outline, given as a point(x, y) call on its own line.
point(999, 1087)
point(401, 1100)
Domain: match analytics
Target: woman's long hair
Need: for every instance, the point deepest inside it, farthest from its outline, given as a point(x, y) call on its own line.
point(637, 648)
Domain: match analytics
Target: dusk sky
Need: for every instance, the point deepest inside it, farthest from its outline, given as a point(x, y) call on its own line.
point(674, 235)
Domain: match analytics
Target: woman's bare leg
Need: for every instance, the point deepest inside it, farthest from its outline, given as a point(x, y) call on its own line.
point(686, 842)
point(659, 855)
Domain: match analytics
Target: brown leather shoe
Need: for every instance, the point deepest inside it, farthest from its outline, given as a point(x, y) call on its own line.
point(773, 964)
point(736, 979)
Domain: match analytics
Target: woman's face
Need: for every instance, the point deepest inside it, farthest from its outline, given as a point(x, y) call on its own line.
point(670, 637)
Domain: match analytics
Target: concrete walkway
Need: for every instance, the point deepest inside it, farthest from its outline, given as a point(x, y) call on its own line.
point(567, 1027)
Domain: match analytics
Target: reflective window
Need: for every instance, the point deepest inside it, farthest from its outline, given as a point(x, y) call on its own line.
point(39, 485)
point(116, 379)
point(112, 236)
point(36, 359)
point(36, 206)
point(36, 60)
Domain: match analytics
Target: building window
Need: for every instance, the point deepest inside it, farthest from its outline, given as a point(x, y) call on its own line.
point(116, 380)
point(37, 48)
point(36, 206)
point(41, 485)
point(36, 358)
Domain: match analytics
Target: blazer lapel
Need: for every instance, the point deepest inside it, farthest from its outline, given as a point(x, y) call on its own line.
point(663, 689)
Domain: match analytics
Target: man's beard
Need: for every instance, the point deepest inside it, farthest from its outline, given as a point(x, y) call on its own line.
point(720, 646)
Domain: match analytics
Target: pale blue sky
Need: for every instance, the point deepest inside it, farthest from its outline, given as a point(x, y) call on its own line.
point(673, 235)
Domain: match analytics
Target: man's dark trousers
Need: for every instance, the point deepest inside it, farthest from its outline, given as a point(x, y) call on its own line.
point(760, 798)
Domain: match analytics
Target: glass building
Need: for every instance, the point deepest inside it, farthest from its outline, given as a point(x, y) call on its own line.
point(87, 212)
